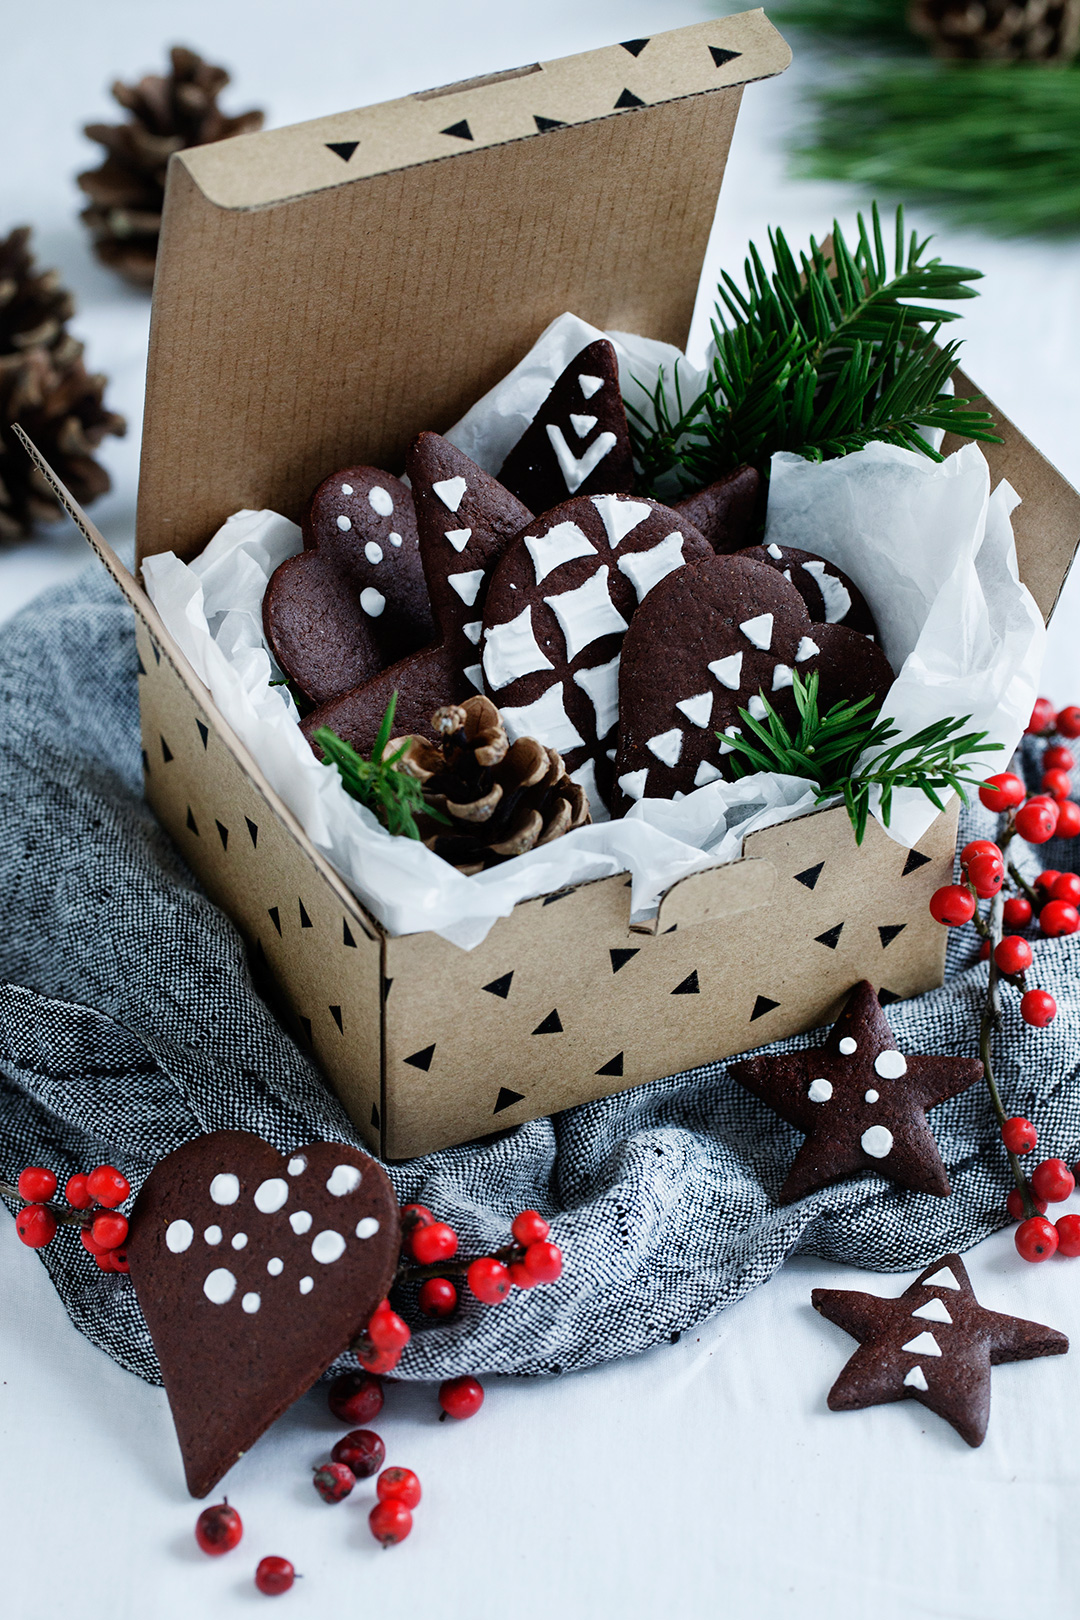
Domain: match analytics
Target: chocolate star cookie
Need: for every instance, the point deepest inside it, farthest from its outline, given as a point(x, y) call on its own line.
point(860, 1101)
point(726, 512)
point(935, 1344)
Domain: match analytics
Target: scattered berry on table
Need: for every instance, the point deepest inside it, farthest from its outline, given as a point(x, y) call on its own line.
point(333, 1481)
point(1067, 722)
point(1016, 912)
point(529, 1227)
point(488, 1280)
point(1015, 1204)
point(1068, 1231)
point(1019, 1135)
point(36, 1184)
point(1053, 1180)
point(953, 905)
point(543, 1261)
point(218, 1529)
point(461, 1397)
point(1042, 718)
point(398, 1485)
point(355, 1397)
point(1002, 792)
point(361, 1450)
point(1036, 1238)
point(390, 1522)
point(438, 1297)
point(431, 1245)
point(1058, 917)
point(76, 1192)
point(274, 1576)
point(35, 1225)
point(1038, 1007)
point(107, 1186)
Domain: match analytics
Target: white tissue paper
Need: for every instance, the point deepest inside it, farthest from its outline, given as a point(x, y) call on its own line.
point(927, 545)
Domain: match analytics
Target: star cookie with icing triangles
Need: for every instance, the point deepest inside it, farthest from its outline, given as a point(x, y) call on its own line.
point(935, 1344)
point(861, 1102)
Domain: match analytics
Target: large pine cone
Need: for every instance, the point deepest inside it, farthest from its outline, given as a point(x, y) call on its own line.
point(999, 30)
point(127, 191)
point(45, 387)
point(501, 799)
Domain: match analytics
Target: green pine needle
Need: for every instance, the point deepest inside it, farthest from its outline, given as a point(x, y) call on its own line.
point(394, 796)
point(826, 748)
point(885, 20)
point(819, 355)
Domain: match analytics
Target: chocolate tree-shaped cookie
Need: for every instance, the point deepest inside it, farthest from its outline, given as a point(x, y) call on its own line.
point(354, 600)
point(578, 443)
point(557, 610)
point(465, 519)
point(726, 512)
point(708, 642)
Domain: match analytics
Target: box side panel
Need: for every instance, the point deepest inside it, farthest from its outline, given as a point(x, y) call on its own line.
point(563, 1003)
point(324, 956)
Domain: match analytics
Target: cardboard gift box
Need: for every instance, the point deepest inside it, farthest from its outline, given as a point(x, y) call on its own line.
point(323, 293)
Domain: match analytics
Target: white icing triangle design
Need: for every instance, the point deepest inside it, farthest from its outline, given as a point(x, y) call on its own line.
point(633, 783)
point(473, 631)
point(807, 649)
point(836, 597)
point(728, 671)
point(697, 709)
point(582, 425)
point(729, 731)
point(576, 469)
point(620, 515)
point(758, 631)
point(451, 491)
point(459, 538)
point(467, 585)
point(923, 1344)
point(474, 674)
point(782, 676)
point(945, 1278)
point(589, 385)
point(915, 1378)
point(706, 773)
point(756, 707)
point(561, 544)
point(933, 1311)
point(644, 569)
point(667, 746)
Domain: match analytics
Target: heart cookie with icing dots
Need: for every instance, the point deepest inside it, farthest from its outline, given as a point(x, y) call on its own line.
point(830, 596)
point(709, 641)
point(465, 519)
point(354, 599)
point(254, 1271)
point(558, 607)
point(578, 443)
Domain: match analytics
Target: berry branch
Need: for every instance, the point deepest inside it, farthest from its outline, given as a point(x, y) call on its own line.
point(92, 1205)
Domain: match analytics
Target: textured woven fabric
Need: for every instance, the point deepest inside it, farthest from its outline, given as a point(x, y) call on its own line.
point(129, 1023)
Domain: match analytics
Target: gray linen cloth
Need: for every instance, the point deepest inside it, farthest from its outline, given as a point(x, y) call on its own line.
point(129, 1022)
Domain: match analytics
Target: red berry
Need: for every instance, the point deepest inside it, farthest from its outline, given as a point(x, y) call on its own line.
point(390, 1522)
point(1046, 880)
point(1058, 758)
point(1038, 1007)
point(86, 1237)
point(979, 846)
point(1068, 820)
point(1016, 911)
point(1014, 955)
point(398, 1485)
point(1068, 1231)
point(274, 1576)
point(374, 1360)
point(1053, 1180)
point(1066, 886)
point(110, 1261)
point(355, 1397)
point(333, 1481)
point(1036, 822)
point(1036, 1238)
point(36, 1184)
point(35, 1225)
point(110, 1231)
point(107, 1186)
point(1015, 1204)
point(543, 1261)
point(1057, 784)
point(414, 1215)
point(1019, 1135)
point(488, 1280)
point(438, 1297)
point(218, 1529)
point(986, 874)
point(1068, 721)
point(1002, 792)
point(1057, 917)
point(387, 1331)
point(529, 1227)
point(433, 1244)
point(1042, 717)
point(520, 1276)
point(76, 1192)
point(461, 1397)
point(953, 905)
point(984, 950)
point(361, 1450)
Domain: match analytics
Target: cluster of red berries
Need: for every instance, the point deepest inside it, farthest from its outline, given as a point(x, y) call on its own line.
point(218, 1530)
point(530, 1259)
point(92, 1204)
point(359, 1455)
point(1051, 1182)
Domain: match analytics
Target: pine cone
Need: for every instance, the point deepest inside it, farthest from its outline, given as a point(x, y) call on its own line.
point(45, 387)
point(999, 30)
point(127, 191)
point(501, 799)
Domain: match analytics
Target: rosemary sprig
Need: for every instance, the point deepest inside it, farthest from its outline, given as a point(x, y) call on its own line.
point(394, 796)
point(828, 748)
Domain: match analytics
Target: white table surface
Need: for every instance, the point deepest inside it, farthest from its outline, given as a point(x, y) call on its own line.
point(705, 1478)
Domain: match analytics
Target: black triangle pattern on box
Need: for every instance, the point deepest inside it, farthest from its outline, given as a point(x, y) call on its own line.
point(672, 929)
point(543, 123)
point(831, 936)
point(499, 987)
point(550, 899)
point(305, 920)
point(342, 149)
point(223, 833)
point(507, 1099)
point(146, 762)
point(156, 650)
point(628, 99)
point(552, 1024)
point(689, 986)
point(614, 1066)
point(204, 732)
point(634, 46)
point(887, 997)
point(375, 1116)
point(890, 933)
point(253, 832)
point(191, 825)
point(761, 1006)
point(260, 955)
point(914, 861)
point(166, 751)
point(386, 987)
point(346, 934)
point(721, 57)
point(809, 878)
point(335, 1013)
point(275, 917)
point(305, 1025)
point(142, 667)
point(461, 130)
point(619, 958)
point(422, 1059)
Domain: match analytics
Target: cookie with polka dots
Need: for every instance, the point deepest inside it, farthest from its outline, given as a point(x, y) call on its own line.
point(860, 1102)
point(465, 521)
point(254, 1270)
point(558, 607)
point(354, 599)
point(578, 443)
point(726, 512)
point(830, 596)
point(719, 637)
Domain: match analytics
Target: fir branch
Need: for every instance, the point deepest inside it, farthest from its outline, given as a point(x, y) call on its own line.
point(394, 796)
point(885, 20)
point(843, 752)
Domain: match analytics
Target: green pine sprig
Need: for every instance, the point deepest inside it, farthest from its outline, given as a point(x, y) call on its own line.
point(819, 355)
point(394, 796)
point(827, 749)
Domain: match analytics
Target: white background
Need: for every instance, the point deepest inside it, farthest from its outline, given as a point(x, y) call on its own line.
point(703, 1478)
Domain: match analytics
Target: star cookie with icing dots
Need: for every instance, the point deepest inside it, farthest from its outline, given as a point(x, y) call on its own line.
point(934, 1344)
point(861, 1102)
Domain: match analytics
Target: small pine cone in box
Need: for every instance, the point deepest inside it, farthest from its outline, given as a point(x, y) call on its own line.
point(999, 30)
point(498, 799)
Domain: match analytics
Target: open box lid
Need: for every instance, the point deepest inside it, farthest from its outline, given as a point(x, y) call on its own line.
point(324, 292)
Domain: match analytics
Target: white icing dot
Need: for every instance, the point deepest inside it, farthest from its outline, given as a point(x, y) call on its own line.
point(344, 1178)
point(306, 1285)
point(729, 731)
point(782, 676)
point(178, 1236)
point(346, 489)
point(945, 1278)
point(633, 783)
point(806, 649)
point(890, 1065)
point(871, 1096)
point(561, 544)
point(250, 1303)
point(367, 1227)
point(644, 569)
point(275, 1266)
point(667, 746)
point(328, 1247)
point(924, 1344)
point(933, 1311)
point(586, 614)
point(837, 599)
point(380, 500)
point(774, 552)
point(220, 1286)
point(620, 515)
point(300, 1221)
point(601, 686)
point(394, 539)
point(589, 385)
point(582, 425)
point(756, 707)
point(546, 720)
point(297, 1165)
point(706, 773)
point(820, 1091)
point(372, 601)
point(915, 1378)
point(473, 631)
point(270, 1195)
point(877, 1141)
point(728, 671)
point(758, 631)
point(373, 552)
point(344, 523)
point(459, 538)
point(512, 650)
point(467, 585)
point(240, 1240)
point(225, 1189)
point(212, 1236)
point(575, 469)
point(451, 491)
point(697, 709)
point(848, 1045)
